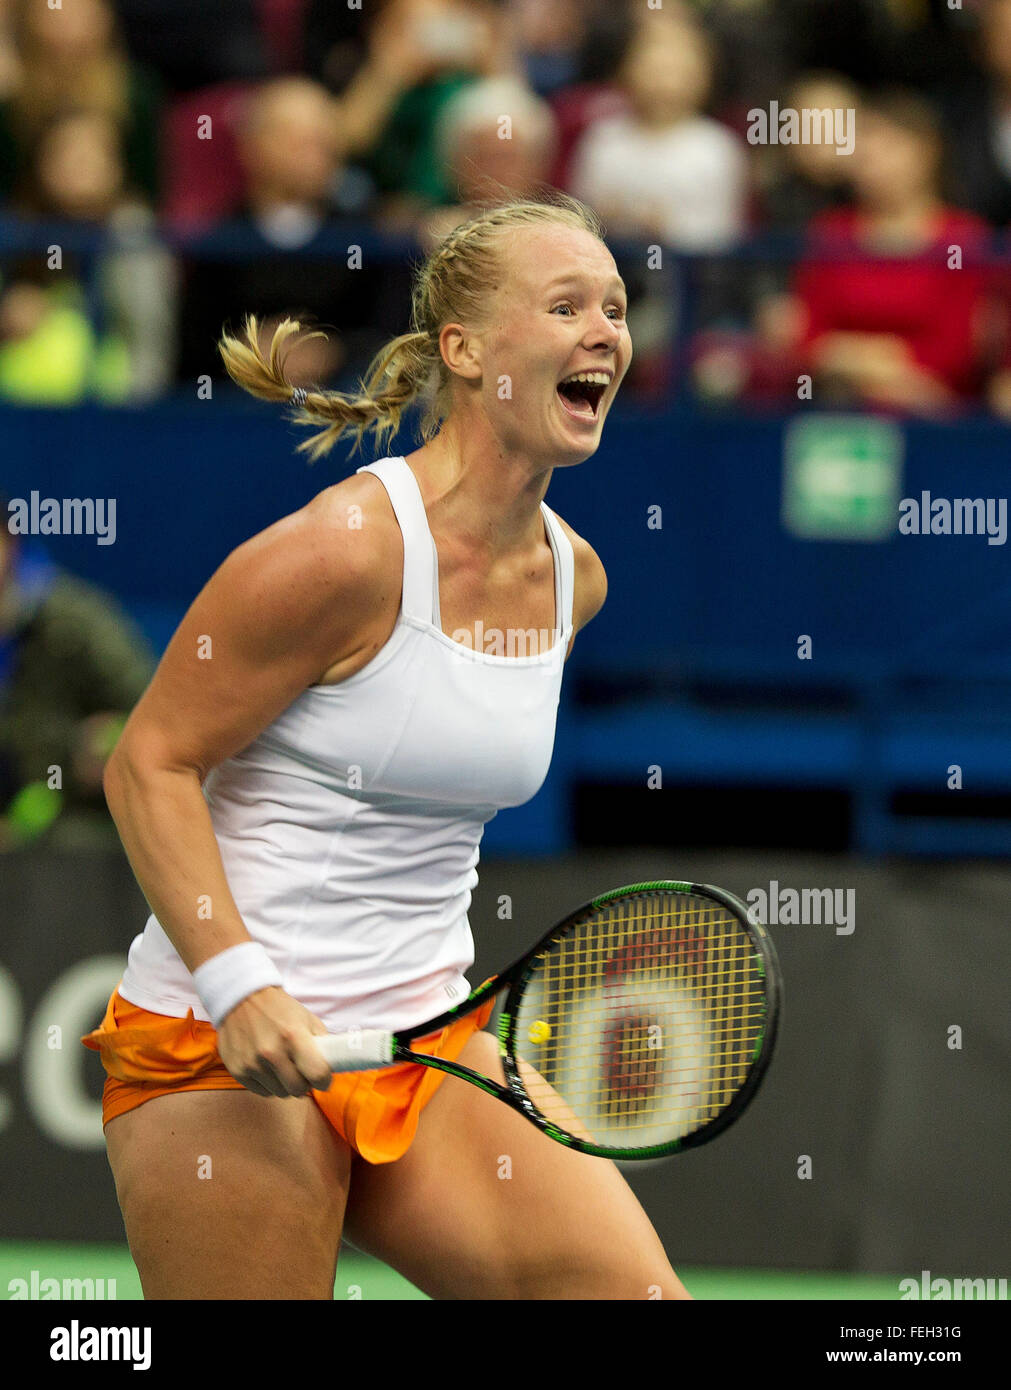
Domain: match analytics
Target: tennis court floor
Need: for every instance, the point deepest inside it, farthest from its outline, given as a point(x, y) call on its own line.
point(358, 1276)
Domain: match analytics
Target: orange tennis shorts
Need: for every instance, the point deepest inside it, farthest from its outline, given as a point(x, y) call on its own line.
point(375, 1112)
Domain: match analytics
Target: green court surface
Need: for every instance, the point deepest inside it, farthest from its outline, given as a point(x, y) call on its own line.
point(359, 1277)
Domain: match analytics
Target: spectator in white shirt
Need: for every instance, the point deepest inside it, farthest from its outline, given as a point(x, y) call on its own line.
point(663, 170)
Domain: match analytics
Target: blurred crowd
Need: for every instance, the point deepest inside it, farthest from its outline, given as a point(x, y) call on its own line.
point(72, 666)
point(167, 166)
point(163, 123)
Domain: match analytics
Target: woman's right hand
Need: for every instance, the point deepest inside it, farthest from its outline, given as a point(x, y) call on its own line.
point(266, 1043)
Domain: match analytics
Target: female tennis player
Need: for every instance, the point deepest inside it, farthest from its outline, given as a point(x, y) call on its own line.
point(302, 792)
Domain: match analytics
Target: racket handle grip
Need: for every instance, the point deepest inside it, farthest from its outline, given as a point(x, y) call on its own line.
point(357, 1049)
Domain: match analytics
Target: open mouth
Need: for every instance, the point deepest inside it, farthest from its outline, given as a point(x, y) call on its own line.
point(582, 397)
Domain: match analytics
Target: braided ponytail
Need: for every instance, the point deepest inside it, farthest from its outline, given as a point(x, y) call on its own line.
point(396, 376)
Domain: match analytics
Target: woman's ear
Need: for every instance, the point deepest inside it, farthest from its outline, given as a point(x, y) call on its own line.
point(461, 351)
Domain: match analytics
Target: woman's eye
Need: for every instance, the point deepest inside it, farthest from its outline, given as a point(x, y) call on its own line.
point(615, 310)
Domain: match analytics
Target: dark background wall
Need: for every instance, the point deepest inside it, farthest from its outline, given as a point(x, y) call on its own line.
point(724, 578)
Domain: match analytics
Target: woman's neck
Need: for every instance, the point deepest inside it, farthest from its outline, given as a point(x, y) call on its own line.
point(912, 221)
point(491, 502)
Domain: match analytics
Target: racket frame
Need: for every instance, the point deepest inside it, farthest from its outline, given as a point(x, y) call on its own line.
point(515, 978)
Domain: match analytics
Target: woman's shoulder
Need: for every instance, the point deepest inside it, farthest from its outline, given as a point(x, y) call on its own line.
point(345, 541)
point(357, 512)
point(590, 577)
point(956, 221)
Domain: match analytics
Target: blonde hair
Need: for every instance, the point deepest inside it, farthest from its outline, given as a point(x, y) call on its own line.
point(454, 284)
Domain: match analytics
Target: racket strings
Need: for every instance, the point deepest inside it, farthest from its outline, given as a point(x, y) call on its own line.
point(641, 1023)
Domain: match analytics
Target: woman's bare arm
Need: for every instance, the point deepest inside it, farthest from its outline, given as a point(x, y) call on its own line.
point(283, 608)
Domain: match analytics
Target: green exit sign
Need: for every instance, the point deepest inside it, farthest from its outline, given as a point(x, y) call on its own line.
point(841, 477)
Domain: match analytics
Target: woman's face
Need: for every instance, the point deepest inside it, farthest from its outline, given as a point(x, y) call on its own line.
point(666, 72)
point(560, 309)
point(72, 31)
point(891, 163)
point(292, 145)
point(79, 170)
point(821, 163)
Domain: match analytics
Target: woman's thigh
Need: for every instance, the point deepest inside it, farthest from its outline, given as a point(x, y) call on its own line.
point(226, 1194)
point(485, 1206)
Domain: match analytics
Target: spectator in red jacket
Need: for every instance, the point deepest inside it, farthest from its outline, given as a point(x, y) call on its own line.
point(904, 327)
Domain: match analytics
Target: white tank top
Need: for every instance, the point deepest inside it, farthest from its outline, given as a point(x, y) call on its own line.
point(350, 828)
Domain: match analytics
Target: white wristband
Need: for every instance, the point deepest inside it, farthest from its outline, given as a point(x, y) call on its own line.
point(227, 978)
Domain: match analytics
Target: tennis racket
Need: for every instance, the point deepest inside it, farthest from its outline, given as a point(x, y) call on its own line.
point(639, 1026)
